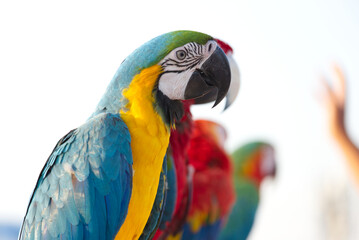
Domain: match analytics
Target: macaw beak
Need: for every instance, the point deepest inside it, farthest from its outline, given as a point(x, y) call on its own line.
point(269, 166)
point(212, 81)
point(234, 87)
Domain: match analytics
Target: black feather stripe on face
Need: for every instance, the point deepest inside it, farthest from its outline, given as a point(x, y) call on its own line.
point(171, 111)
point(194, 56)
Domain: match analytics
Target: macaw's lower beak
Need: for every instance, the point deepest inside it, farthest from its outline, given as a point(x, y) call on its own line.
point(210, 82)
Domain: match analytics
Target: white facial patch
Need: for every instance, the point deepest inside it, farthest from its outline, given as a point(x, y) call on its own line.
point(179, 65)
point(268, 162)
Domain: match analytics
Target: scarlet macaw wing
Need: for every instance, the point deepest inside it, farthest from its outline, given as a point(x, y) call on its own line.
point(210, 192)
point(171, 225)
point(84, 189)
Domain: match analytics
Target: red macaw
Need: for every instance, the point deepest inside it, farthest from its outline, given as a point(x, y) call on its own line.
point(213, 190)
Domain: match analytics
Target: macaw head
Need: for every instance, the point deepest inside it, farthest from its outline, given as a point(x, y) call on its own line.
point(207, 146)
point(175, 66)
point(212, 130)
point(255, 161)
point(235, 77)
point(213, 192)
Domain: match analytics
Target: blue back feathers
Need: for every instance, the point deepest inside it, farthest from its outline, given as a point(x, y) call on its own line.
point(171, 194)
point(85, 186)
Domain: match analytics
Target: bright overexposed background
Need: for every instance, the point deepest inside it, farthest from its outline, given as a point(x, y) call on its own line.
point(56, 59)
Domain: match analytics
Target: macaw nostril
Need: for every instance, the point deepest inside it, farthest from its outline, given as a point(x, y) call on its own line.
point(201, 72)
point(205, 77)
point(209, 82)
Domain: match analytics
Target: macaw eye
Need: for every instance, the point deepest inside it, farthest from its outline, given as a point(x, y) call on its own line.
point(181, 54)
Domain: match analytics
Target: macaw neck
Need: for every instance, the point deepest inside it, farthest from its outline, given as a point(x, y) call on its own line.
point(114, 101)
point(252, 178)
point(179, 142)
point(144, 57)
point(149, 142)
point(181, 134)
point(249, 168)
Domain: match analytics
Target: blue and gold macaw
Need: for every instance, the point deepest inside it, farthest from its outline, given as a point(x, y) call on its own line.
point(101, 180)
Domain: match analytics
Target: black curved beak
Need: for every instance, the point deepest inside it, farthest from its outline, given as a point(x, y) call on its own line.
point(211, 82)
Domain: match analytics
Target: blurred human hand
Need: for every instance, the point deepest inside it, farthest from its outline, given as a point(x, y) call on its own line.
point(333, 98)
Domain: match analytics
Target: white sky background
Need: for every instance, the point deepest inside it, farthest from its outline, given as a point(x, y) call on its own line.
point(56, 60)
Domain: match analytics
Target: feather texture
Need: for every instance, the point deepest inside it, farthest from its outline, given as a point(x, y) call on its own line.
point(253, 162)
point(241, 218)
point(213, 190)
point(179, 142)
point(171, 192)
point(101, 183)
point(158, 207)
point(85, 187)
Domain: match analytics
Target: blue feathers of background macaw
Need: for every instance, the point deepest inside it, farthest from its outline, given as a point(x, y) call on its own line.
point(253, 162)
point(242, 216)
point(207, 232)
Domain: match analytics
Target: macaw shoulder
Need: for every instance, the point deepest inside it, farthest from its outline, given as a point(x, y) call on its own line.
point(85, 186)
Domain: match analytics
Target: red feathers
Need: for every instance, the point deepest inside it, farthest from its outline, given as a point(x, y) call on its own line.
point(179, 142)
point(213, 191)
point(225, 47)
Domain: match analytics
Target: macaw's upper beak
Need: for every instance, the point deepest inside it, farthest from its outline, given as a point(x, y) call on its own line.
point(211, 82)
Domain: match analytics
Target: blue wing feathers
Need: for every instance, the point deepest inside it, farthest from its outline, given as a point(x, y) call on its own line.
point(171, 193)
point(85, 186)
point(158, 206)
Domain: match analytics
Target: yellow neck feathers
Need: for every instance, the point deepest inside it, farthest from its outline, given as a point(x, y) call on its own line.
point(149, 142)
